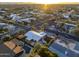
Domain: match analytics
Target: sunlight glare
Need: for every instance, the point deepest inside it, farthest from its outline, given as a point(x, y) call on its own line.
point(41, 1)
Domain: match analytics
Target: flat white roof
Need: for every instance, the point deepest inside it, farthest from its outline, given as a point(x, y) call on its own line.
point(42, 33)
point(3, 24)
point(33, 35)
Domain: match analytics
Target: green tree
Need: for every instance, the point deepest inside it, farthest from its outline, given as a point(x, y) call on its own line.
point(44, 52)
point(6, 38)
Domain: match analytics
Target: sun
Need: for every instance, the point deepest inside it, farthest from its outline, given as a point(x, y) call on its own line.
point(46, 1)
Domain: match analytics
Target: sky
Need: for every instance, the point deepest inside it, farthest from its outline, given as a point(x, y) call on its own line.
point(40, 1)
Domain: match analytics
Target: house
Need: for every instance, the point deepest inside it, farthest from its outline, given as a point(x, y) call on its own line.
point(28, 28)
point(32, 35)
point(1, 17)
point(5, 51)
point(2, 11)
point(75, 16)
point(69, 26)
point(65, 44)
point(56, 32)
point(3, 25)
point(28, 20)
point(27, 48)
point(27, 14)
point(65, 48)
point(66, 15)
point(51, 30)
point(10, 49)
point(10, 27)
point(15, 48)
point(12, 30)
point(15, 17)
